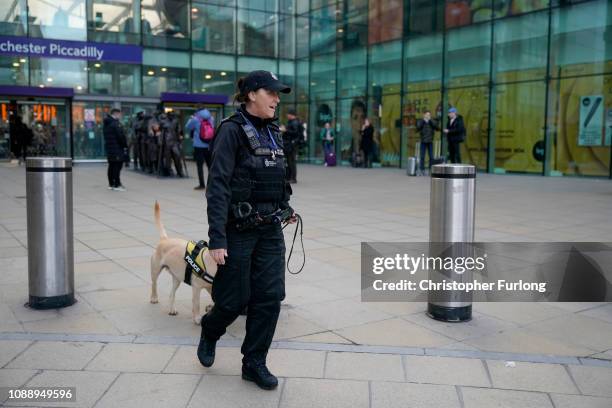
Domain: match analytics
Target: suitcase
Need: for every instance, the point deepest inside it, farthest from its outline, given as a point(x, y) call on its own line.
point(330, 159)
point(411, 167)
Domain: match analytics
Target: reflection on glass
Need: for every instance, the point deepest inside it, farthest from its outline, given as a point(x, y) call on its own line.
point(519, 123)
point(323, 76)
point(323, 30)
point(212, 28)
point(13, 71)
point(213, 81)
point(385, 20)
point(156, 80)
point(286, 37)
point(352, 65)
point(468, 57)
point(114, 79)
point(426, 16)
point(165, 23)
point(353, 28)
point(113, 21)
point(13, 14)
point(59, 73)
point(87, 126)
point(423, 62)
point(264, 5)
point(59, 19)
point(257, 33)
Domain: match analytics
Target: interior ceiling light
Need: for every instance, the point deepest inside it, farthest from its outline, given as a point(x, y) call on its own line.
point(194, 10)
point(23, 60)
point(97, 65)
point(340, 30)
point(151, 72)
point(15, 64)
point(164, 69)
point(49, 79)
point(208, 76)
point(223, 73)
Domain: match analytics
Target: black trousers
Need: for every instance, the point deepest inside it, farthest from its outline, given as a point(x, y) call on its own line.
point(253, 276)
point(291, 165)
point(454, 152)
point(114, 171)
point(202, 155)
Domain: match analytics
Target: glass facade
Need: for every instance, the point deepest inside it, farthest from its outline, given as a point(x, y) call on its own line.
point(532, 79)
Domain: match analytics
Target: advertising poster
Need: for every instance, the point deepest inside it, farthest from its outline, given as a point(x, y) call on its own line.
point(591, 120)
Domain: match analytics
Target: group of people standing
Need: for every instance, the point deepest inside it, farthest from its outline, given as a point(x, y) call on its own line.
point(363, 158)
point(455, 134)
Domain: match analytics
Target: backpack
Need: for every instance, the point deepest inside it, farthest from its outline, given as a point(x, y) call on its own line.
point(207, 132)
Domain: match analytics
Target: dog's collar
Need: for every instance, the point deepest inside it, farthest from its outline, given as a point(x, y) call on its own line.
point(194, 256)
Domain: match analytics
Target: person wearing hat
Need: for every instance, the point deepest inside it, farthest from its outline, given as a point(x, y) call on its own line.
point(248, 199)
point(455, 134)
point(291, 139)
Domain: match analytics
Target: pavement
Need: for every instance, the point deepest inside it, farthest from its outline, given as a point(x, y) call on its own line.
point(330, 349)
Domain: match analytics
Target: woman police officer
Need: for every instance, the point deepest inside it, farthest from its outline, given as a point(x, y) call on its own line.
point(247, 193)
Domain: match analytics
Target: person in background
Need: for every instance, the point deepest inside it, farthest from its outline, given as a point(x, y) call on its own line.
point(201, 121)
point(327, 136)
point(292, 134)
point(455, 134)
point(116, 145)
point(427, 128)
point(367, 142)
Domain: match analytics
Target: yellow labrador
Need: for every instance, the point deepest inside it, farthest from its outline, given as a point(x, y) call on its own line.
point(170, 254)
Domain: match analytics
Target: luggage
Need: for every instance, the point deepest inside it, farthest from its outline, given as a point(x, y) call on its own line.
point(411, 168)
point(330, 159)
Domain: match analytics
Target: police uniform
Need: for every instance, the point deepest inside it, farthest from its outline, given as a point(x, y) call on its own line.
point(248, 166)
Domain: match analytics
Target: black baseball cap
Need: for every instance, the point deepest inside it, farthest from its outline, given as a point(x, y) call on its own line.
point(263, 79)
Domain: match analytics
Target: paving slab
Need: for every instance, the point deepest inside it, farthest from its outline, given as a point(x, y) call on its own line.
point(228, 361)
point(446, 370)
point(580, 401)
point(52, 355)
point(324, 393)
point(150, 358)
point(531, 377)
point(150, 391)
point(595, 381)
point(487, 398)
point(397, 395)
point(233, 392)
point(364, 366)
point(9, 349)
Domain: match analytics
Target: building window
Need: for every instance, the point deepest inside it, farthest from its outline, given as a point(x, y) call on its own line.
point(213, 28)
point(54, 72)
point(114, 21)
point(114, 79)
point(58, 19)
point(13, 17)
point(257, 33)
point(13, 70)
point(165, 24)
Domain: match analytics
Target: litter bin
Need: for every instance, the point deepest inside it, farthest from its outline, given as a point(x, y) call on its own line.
point(50, 234)
point(451, 232)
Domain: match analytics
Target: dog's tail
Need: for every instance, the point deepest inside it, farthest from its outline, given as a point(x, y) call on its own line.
point(160, 226)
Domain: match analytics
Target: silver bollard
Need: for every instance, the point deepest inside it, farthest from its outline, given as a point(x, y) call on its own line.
point(50, 234)
point(451, 220)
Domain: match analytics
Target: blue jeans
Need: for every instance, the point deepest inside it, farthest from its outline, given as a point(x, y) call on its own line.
point(328, 147)
point(429, 147)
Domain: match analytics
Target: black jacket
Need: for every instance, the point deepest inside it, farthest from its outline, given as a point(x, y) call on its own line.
point(456, 130)
point(230, 150)
point(114, 139)
point(427, 129)
point(367, 139)
point(292, 136)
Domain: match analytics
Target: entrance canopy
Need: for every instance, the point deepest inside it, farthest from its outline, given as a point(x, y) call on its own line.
point(48, 92)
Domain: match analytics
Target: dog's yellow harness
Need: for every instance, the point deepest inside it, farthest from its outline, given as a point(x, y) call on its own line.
point(194, 256)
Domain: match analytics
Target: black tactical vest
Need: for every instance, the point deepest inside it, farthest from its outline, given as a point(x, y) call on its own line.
point(259, 176)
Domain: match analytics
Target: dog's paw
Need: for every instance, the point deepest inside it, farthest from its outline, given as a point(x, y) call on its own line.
point(154, 300)
point(208, 307)
point(173, 313)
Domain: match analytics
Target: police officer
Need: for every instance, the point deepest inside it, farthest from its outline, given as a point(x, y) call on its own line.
point(246, 189)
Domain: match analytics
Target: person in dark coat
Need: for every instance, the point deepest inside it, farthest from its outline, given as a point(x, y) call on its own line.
point(455, 134)
point(427, 128)
point(367, 142)
point(115, 144)
point(291, 139)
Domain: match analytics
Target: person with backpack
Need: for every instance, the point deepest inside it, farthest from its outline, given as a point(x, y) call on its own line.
point(201, 126)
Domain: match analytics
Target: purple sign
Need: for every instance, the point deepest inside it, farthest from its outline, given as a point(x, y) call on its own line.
point(40, 47)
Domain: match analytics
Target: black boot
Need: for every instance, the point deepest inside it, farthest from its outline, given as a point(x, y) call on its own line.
point(257, 372)
point(206, 351)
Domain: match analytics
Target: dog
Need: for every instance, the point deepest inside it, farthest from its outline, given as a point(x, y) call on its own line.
point(169, 254)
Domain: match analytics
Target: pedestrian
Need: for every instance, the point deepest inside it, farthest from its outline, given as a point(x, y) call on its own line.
point(367, 142)
point(427, 128)
point(292, 134)
point(327, 137)
point(201, 127)
point(455, 134)
point(247, 191)
point(115, 144)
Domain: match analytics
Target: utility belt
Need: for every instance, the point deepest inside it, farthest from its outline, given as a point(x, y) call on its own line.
point(245, 218)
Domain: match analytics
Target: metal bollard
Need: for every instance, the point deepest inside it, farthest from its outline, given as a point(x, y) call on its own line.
point(50, 234)
point(451, 220)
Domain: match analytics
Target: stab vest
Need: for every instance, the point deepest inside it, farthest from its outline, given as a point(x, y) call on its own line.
point(260, 176)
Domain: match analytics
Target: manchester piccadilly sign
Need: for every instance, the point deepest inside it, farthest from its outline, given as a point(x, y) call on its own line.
point(45, 48)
